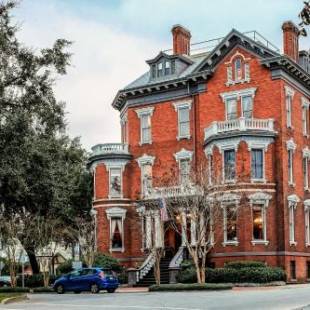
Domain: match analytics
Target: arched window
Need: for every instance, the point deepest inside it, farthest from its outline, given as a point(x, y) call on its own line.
point(238, 69)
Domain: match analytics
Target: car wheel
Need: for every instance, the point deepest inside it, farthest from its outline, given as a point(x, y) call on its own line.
point(60, 289)
point(94, 288)
point(111, 290)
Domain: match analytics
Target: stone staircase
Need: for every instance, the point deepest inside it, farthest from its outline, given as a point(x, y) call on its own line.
point(149, 278)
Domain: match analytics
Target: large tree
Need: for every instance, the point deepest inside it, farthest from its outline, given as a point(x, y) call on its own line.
point(42, 171)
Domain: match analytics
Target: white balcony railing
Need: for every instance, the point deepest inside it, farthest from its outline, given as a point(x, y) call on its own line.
point(240, 124)
point(170, 192)
point(110, 148)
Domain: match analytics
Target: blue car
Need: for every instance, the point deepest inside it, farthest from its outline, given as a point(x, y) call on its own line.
point(87, 279)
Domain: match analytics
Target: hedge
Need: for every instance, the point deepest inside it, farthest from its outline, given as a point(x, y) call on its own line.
point(244, 264)
point(14, 290)
point(231, 275)
point(107, 262)
point(42, 290)
point(189, 287)
point(35, 280)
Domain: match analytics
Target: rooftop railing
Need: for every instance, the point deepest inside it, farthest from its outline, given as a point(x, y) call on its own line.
point(110, 148)
point(240, 124)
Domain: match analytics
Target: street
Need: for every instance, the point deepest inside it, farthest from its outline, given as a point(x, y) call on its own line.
point(289, 297)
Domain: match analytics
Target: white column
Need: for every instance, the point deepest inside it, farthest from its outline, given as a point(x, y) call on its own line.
point(158, 232)
point(193, 231)
point(148, 232)
point(183, 224)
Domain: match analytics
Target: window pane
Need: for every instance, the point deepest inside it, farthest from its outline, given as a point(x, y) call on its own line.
point(184, 129)
point(184, 170)
point(257, 164)
point(258, 223)
point(146, 178)
point(184, 114)
point(231, 107)
point(231, 228)
point(115, 182)
point(229, 164)
point(116, 230)
point(247, 106)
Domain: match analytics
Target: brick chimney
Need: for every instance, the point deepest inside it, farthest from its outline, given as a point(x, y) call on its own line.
point(181, 40)
point(290, 40)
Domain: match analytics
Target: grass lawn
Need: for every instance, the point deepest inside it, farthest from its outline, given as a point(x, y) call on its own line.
point(7, 295)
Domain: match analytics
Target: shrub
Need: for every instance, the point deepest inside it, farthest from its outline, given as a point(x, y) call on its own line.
point(35, 280)
point(189, 287)
point(244, 264)
point(249, 275)
point(14, 290)
point(42, 290)
point(65, 267)
point(187, 275)
point(107, 262)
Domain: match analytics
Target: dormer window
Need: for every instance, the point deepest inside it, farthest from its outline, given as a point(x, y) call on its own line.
point(238, 69)
point(163, 67)
point(167, 67)
point(160, 69)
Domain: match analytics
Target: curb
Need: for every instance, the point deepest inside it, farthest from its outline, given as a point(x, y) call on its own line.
point(14, 299)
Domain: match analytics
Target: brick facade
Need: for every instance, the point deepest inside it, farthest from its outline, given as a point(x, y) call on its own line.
point(269, 92)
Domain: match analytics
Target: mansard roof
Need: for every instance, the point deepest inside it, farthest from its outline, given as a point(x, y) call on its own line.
point(201, 66)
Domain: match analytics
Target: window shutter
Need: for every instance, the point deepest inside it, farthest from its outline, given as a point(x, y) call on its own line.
point(229, 75)
point(247, 72)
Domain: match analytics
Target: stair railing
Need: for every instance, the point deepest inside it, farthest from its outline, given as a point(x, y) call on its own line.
point(145, 267)
point(177, 258)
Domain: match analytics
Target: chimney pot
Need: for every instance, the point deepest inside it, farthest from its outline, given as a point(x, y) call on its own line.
point(181, 40)
point(291, 40)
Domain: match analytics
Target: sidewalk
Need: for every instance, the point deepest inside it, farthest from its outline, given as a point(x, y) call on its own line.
point(132, 289)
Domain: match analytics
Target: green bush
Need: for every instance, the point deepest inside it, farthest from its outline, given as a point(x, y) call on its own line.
point(244, 264)
point(65, 267)
point(107, 262)
point(35, 280)
point(14, 290)
point(187, 275)
point(189, 287)
point(245, 275)
point(42, 290)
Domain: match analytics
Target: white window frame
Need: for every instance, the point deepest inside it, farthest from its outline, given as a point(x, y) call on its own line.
point(292, 204)
point(289, 97)
point(144, 160)
point(111, 195)
point(307, 222)
point(242, 99)
point(124, 125)
point(223, 165)
point(183, 105)
point(145, 112)
point(291, 147)
point(305, 116)
point(260, 199)
point(183, 155)
point(228, 201)
point(306, 157)
point(263, 149)
point(113, 213)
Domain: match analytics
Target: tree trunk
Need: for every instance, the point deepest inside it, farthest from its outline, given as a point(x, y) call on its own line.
point(33, 260)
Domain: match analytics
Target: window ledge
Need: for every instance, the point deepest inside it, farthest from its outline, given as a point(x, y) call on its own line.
point(307, 245)
point(290, 127)
point(143, 143)
point(117, 250)
point(238, 82)
point(292, 184)
point(306, 135)
point(258, 181)
point(235, 243)
point(183, 137)
point(115, 198)
point(229, 182)
point(307, 189)
point(293, 243)
point(257, 242)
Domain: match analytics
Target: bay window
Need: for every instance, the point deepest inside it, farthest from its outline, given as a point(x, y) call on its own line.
point(229, 165)
point(257, 164)
point(115, 182)
point(230, 224)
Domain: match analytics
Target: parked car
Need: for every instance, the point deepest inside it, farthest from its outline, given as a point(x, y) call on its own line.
point(5, 281)
point(87, 279)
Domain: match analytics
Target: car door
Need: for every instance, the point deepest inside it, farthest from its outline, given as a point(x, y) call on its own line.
point(73, 282)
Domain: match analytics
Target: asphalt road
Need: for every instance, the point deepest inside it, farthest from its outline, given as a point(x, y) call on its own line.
point(290, 297)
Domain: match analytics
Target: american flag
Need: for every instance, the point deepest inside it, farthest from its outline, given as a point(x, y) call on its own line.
point(163, 210)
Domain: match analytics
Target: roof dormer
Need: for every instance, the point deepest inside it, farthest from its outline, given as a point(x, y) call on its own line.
point(165, 66)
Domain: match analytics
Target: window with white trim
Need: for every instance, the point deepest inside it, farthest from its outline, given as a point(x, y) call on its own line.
point(307, 224)
point(305, 168)
point(210, 168)
point(146, 178)
point(229, 165)
point(183, 109)
point(247, 106)
point(231, 109)
point(290, 163)
point(115, 182)
point(305, 117)
point(259, 222)
point(185, 166)
point(238, 69)
point(292, 204)
point(289, 94)
point(230, 224)
point(145, 115)
point(124, 127)
point(257, 164)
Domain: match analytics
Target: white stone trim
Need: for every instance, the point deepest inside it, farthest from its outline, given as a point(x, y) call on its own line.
point(305, 103)
point(182, 104)
point(113, 213)
point(307, 203)
point(145, 111)
point(145, 159)
point(229, 199)
point(293, 199)
point(237, 94)
point(260, 198)
point(289, 91)
point(292, 204)
point(291, 145)
point(306, 152)
point(183, 154)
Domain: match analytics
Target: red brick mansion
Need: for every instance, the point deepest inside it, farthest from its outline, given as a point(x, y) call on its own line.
point(234, 101)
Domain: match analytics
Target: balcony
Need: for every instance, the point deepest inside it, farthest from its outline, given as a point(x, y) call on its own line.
point(171, 192)
point(109, 148)
point(239, 125)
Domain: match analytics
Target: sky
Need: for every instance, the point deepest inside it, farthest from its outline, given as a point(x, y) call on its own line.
point(113, 38)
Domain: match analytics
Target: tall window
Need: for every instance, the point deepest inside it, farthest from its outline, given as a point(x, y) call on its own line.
point(117, 233)
point(305, 166)
point(167, 67)
point(257, 164)
point(124, 126)
point(238, 69)
point(146, 176)
point(293, 269)
point(160, 69)
point(290, 154)
point(184, 171)
point(229, 165)
point(247, 106)
point(307, 224)
point(230, 224)
point(289, 110)
point(115, 182)
point(231, 109)
point(184, 122)
point(210, 168)
point(259, 225)
point(305, 120)
point(146, 128)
